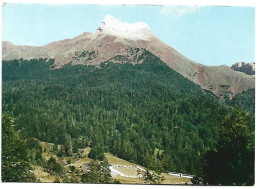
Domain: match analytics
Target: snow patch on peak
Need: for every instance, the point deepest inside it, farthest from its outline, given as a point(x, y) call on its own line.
point(135, 31)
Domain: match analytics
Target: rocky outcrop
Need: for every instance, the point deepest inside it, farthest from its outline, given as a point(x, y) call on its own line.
point(247, 68)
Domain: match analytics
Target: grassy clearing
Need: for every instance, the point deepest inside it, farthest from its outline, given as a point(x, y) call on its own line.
point(43, 176)
point(169, 179)
point(125, 180)
point(127, 171)
point(126, 167)
point(113, 160)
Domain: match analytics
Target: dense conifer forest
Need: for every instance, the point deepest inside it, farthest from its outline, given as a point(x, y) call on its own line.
point(245, 100)
point(145, 113)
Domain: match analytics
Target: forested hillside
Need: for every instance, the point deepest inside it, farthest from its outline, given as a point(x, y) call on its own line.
point(245, 100)
point(145, 113)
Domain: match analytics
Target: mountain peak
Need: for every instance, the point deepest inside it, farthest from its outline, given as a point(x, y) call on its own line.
point(134, 31)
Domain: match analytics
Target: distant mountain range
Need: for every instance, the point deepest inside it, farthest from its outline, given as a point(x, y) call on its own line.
point(126, 42)
point(247, 68)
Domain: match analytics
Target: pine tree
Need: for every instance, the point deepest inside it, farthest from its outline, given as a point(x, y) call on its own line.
point(152, 177)
point(68, 145)
point(15, 165)
point(232, 163)
point(99, 172)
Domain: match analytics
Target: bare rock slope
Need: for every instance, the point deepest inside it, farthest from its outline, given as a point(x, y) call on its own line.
point(115, 38)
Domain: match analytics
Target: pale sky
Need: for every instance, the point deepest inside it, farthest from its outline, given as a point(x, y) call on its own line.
point(211, 35)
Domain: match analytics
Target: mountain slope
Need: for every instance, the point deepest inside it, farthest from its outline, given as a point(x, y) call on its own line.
point(115, 38)
point(244, 100)
point(144, 113)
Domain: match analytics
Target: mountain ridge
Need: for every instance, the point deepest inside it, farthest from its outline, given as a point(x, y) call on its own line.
point(105, 44)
